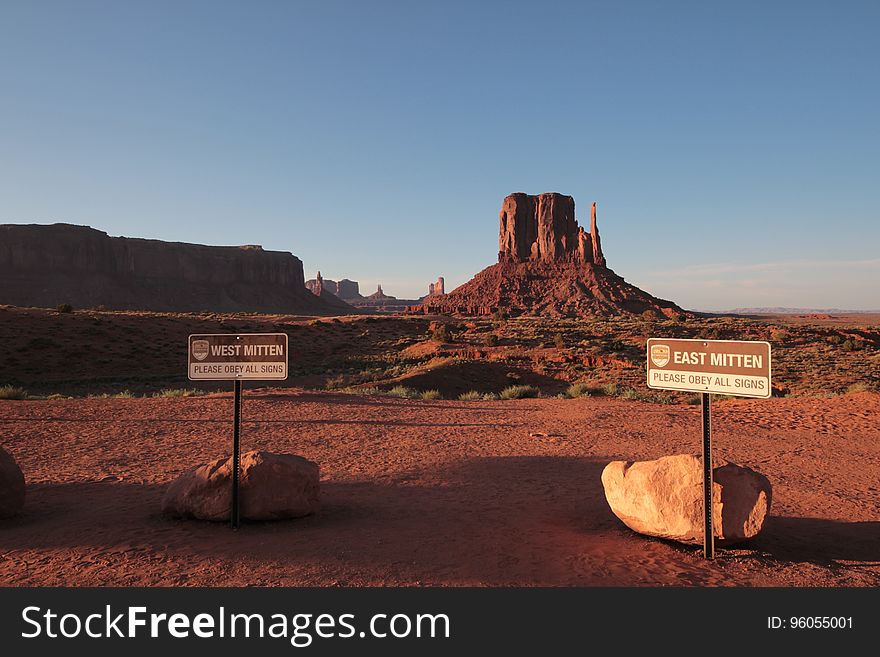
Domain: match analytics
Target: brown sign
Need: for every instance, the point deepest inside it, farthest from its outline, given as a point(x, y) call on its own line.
point(727, 367)
point(230, 356)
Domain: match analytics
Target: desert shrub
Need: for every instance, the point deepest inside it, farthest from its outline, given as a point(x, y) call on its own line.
point(834, 339)
point(559, 341)
point(610, 389)
point(403, 392)
point(440, 333)
point(178, 392)
point(470, 395)
point(490, 340)
point(57, 395)
point(431, 394)
point(499, 315)
point(64, 308)
point(490, 396)
point(695, 399)
point(850, 345)
point(13, 392)
point(519, 392)
point(335, 382)
point(359, 391)
point(581, 389)
point(649, 314)
point(861, 386)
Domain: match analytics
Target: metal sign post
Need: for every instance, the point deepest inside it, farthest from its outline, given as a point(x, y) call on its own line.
point(708, 530)
point(726, 367)
point(236, 454)
point(231, 357)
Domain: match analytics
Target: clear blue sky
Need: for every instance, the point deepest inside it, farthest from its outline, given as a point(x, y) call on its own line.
point(733, 147)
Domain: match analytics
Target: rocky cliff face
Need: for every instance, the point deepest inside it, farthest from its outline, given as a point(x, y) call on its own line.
point(61, 263)
point(543, 228)
point(547, 265)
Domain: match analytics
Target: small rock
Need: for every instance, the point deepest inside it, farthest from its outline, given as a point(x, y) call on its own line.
point(664, 498)
point(273, 486)
point(11, 485)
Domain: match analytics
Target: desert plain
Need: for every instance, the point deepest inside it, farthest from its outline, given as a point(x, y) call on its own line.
point(428, 478)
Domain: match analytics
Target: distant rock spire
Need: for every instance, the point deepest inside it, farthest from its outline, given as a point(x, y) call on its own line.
point(598, 257)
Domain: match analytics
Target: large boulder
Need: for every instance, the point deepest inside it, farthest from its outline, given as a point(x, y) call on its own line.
point(665, 498)
point(11, 485)
point(273, 486)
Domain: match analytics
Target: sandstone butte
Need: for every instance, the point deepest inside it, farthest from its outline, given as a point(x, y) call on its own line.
point(547, 265)
point(64, 264)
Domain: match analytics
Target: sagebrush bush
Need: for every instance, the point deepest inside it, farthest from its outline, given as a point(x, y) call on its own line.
point(440, 334)
point(178, 392)
point(470, 395)
point(13, 392)
point(519, 392)
point(402, 392)
point(431, 394)
point(580, 390)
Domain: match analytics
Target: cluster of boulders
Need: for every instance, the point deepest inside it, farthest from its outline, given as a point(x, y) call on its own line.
point(272, 487)
point(662, 498)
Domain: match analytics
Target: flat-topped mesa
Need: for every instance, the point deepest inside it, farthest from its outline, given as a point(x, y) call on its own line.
point(543, 228)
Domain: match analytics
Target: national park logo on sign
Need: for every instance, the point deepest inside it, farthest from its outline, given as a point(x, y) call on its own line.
point(659, 354)
point(200, 349)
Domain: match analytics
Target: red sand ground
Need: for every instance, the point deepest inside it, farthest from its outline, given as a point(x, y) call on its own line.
point(432, 493)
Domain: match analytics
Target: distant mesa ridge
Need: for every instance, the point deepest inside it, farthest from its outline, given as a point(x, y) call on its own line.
point(49, 265)
point(547, 265)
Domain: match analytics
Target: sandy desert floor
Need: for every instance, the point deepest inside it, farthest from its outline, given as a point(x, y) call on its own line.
point(432, 492)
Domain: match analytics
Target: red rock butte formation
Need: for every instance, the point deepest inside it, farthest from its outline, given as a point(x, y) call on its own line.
point(438, 288)
point(547, 264)
point(379, 295)
point(60, 263)
point(344, 289)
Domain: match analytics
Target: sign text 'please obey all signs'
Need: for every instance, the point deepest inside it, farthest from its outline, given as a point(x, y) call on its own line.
point(727, 367)
point(227, 356)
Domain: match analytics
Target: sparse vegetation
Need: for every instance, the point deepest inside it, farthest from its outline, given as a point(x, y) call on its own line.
point(360, 391)
point(499, 315)
point(558, 341)
point(519, 392)
point(431, 394)
point(440, 333)
point(490, 340)
point(581, 389)
point(64, 308)
point(178, 392)
point(470, 395)
point(490, 396)
point(13, 392)
point(609, 389)
point(860, 387)
point(403, 392)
